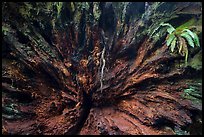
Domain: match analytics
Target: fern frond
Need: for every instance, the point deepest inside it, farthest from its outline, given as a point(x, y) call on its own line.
point(181, 42)
point(166, 24)
point(180, 48)
point(173, 44)
point(170, 29)
point(189, 32)
point(196, 40)
point(170, 38)
point(194, 36)
point(188, 38)
point(186, 54)
point(184, 47)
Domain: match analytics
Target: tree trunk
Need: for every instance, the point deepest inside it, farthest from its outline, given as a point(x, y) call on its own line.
point(95, 68)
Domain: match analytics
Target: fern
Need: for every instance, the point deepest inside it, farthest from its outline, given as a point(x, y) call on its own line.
point(188, 38)
point(167, 24)
point(196, 40)
point(170, 27)
point(173, 44)
point(170, 38)
point(185, 51)
point(181, 43)
point(189, 32)
point(170, 30)
point(180, 37)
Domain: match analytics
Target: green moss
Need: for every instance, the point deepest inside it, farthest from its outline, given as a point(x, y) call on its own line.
point(193, 92)
point(196, 61)
point(179, 131)
point(49, 6)
point(25, 10)
point(96, 11)
point(85, 5)
point(72, 7)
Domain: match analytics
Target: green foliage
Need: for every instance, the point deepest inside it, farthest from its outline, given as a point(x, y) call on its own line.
point(171, 37)
point(25, 10)
point(188, 38)
point(5, 30)
point(170, 30)
point(179, 131)
point(192, 93)
point(180, 37)
point(194, 36)
point(196, 61)
point(173, 44)
point(59, 7)
point(96, 11)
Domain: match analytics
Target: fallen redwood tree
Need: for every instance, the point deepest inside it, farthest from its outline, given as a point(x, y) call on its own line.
point(97, 68)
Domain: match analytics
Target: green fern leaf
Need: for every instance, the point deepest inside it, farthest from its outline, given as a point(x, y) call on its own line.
point(170, 38)
point(166, 24)
point(188, 38)
point(194, 36)
point(189, 32)
point(196, 40)
point(173, 44)
point(170, 30)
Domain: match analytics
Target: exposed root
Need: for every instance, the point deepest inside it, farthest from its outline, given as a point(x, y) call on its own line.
point(102, 68)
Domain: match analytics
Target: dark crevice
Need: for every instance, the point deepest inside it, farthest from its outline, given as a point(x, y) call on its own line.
point(22, 38)
point(6, 50)
point(196, 127)
point(50, 75)
point(161, 122)
point(86, 106)
point(21, 97)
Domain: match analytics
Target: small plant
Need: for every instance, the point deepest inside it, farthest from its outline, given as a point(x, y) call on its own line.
point(180, 37)
point(59, 7)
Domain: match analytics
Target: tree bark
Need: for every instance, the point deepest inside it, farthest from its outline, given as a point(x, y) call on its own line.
point(94, 68)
